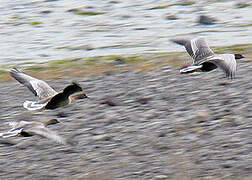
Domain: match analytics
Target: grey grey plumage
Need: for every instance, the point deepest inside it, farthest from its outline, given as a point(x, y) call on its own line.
point(204, 58)
point(30, 128)
point(36, 86)
point(197, 48)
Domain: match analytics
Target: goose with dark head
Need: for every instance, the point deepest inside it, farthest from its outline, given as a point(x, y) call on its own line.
point(238, 56)
point(49, 98)
point(204, 59)
point(27, 128)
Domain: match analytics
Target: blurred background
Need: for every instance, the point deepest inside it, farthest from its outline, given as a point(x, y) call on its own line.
point(38, 31)
point(144, 120)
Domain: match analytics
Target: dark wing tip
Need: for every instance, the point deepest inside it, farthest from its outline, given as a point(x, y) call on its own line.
point(15, 74)
point(14, 71)
point(18, 75)
point(182, 42)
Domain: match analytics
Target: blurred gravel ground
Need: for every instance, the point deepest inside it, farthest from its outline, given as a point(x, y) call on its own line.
point(164, 125)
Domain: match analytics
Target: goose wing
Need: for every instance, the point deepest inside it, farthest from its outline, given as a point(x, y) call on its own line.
point(37, 87)
point(20, 120)
point(226, 62)
point(47, 133)
point(11, 133)
point(197, 48)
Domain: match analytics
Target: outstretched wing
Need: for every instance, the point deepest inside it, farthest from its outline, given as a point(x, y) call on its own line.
point(20, 119)
point(226, 62)
point(11, 133)
point(38, 87)
point(186, 43)
point(197, 48)
point(47, 133)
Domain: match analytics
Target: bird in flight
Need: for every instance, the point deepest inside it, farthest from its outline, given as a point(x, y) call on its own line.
point(204, 59)
point(48, 97)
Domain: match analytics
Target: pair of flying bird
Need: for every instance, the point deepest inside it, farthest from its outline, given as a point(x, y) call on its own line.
point(49, 99)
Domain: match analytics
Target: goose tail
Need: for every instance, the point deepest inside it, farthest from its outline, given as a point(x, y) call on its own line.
point(10, 133)
point(190, 69)
point(33, 105)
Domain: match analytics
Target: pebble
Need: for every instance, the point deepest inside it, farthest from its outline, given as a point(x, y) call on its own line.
point(185, 118)
point(103, 137)
point(161, 177)
point(172, 17)
point(206, 20)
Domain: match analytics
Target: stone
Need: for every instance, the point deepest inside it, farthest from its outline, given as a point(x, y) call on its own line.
point(172, 17)
point(118, 61)
point(102, 137)
point(242, 5)
point(161, 177)
point(109, 102)
point(206, 20)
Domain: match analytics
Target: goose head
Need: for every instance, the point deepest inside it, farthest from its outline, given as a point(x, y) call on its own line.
point(51, 121)
point(238, 56)
point(72, 88)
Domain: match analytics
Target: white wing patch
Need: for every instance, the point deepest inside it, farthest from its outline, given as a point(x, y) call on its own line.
point(189, 69)
point(194, 47)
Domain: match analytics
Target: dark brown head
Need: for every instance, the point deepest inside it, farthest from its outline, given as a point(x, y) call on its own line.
point(51, 121)
point(239, 56)
point(72, 88)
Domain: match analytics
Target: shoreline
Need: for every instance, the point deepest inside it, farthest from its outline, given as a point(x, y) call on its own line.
point(81, 66)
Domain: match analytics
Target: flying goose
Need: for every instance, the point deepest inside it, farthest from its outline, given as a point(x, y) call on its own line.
point(48, 97)
point(29, 128)
point(204, 58)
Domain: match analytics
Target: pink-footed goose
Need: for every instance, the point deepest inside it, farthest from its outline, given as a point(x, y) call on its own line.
point(48, 97)
point(30, 128)
point(204, 59)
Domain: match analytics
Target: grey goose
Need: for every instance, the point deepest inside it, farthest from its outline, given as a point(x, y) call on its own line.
point(204, 59)
point(29, 128)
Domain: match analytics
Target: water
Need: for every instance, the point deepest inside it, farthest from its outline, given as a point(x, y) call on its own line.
point(126, 27)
